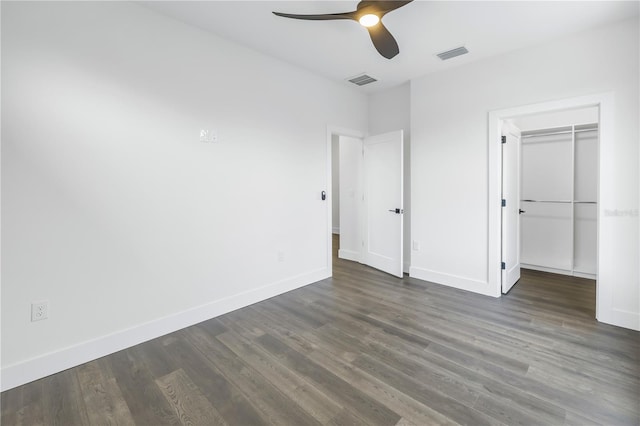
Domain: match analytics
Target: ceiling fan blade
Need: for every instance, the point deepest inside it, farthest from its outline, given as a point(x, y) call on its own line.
point(324, 17)
point(383, 41)
point(382, 7)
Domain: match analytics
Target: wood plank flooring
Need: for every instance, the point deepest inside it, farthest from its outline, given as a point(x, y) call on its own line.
point(364, 348)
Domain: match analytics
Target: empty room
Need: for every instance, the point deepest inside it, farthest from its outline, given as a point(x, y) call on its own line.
point(320, 212)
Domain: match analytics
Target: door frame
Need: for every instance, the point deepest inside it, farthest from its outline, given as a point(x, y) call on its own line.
point(605, 103)
point(334, 131)
point(507, 128)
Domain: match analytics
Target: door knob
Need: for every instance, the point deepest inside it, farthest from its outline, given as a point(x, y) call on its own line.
point(520, 211)
point(396, 211)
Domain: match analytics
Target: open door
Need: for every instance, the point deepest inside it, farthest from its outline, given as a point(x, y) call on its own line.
point(351, 164)
point(383, 189)
point(510, 206)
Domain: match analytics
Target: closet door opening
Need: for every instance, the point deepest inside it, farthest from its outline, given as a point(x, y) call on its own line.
point(611, 265)
point(559, 183)
point(557, 169)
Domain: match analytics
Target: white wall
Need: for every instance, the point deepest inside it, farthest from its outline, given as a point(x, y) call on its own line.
point(449, 115)
point(388, 111)
point(335, 183)
point(112, 208)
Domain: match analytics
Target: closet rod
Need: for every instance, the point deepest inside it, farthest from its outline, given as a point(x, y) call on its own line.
point(547, 134)
point(547, 201)
point(586, 202)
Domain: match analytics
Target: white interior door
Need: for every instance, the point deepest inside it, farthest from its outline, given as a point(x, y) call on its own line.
point(383, 177)
point(351, 177)
point(511, 207)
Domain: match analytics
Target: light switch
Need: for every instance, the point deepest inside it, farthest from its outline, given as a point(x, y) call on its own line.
point(208, 136)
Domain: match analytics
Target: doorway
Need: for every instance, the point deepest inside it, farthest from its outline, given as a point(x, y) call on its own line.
point(366, 209)
point(603, 105)
point(549, 193)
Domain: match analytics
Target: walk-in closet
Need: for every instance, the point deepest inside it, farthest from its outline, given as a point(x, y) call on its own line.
point(559, 194)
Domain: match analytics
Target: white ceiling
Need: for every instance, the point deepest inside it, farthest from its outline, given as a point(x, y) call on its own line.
point(342, 49)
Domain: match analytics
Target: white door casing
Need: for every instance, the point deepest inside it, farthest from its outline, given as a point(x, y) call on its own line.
point(511, 206)
point(383, 199)
point(607, 293)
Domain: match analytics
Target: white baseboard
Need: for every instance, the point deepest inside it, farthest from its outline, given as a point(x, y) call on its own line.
point(558, 271)
point(585, 275)
point(456, 281)
point(54, 362)
point(406, 267)
point(620, 318)
point(349, 255)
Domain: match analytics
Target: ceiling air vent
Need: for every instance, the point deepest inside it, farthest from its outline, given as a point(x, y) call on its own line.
point(362, 79)
point(453, 53)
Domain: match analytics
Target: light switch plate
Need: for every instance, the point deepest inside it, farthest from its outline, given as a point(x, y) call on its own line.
point(208, 136)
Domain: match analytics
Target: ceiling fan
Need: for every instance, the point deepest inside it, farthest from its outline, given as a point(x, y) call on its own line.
point(369, 13)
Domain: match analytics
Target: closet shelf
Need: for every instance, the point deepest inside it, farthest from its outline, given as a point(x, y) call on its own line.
point(560, 131)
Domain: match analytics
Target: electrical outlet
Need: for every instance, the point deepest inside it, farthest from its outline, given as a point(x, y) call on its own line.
point(416, 245)
point(280, 256)
point(39, 310)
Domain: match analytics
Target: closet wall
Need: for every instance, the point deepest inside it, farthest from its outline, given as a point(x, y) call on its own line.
point(559, 174)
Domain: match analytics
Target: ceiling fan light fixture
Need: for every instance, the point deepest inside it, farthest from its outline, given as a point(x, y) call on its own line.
point(369, 20)
point(368, 13)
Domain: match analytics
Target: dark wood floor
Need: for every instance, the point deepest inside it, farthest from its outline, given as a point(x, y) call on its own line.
point(364, 348)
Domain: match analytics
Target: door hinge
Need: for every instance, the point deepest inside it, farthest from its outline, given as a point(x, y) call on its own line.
point(504, 139)
point(503, 265)
point(504, 203)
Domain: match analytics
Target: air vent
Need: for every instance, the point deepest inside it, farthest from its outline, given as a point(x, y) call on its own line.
point(362, 79)
point(453, 53)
